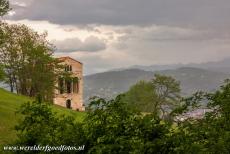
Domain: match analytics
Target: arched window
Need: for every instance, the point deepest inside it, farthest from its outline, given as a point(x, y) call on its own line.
point(61, 85)
point(68, 86)
point(68, 68)
point(76, 85)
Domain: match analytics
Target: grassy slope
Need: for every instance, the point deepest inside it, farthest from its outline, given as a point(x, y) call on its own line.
point(9, 103)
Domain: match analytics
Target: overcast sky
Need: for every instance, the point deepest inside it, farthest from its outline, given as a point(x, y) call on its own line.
point(107, 34)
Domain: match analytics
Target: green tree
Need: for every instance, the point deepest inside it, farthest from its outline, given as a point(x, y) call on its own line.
point(115, 127)
point(42, 126)
point(2, 74)
point(167, 90)
point(141, 96)
point(159, 96)
point(27, 58)
point(8, 54)
point(4, 7)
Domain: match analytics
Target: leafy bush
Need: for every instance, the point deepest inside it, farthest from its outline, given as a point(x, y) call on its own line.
point(116, 127)
point(42, 126)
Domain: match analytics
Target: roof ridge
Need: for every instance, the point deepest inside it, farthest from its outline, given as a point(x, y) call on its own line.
point(65, 57)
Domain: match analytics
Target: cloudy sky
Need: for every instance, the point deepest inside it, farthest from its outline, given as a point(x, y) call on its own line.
point(108, 34)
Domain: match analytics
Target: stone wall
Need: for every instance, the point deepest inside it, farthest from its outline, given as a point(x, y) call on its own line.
point(76, 98)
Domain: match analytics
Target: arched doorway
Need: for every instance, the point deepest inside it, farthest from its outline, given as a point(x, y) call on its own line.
point(68, 104)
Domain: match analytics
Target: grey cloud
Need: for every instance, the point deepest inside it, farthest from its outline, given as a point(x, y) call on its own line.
point(170, 34)
point(90, 44)
point(193, 30)
point(213, 13)
point(20, 5)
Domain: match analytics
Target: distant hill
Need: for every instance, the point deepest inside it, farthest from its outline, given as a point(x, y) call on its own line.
point(109, 84)
point(219, 66)
point(193, 79)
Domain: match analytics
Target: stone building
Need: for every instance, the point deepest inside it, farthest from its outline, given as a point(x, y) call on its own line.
point(70, 91)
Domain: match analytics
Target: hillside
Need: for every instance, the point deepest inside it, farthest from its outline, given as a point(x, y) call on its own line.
point(109, 84)
point(9, 103)
point(193, 79)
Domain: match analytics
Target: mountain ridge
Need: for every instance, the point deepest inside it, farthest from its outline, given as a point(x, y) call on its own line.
point(111, 83)
point(219, 66)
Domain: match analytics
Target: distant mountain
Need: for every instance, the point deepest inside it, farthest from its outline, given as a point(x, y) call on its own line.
point(152, 68)
point(109, 84)
point(219, 66)
point(193, 79)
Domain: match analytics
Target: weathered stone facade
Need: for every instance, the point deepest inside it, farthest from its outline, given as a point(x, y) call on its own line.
point(70, 92)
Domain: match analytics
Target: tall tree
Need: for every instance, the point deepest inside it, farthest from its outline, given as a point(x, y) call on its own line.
point(167, 90)
point(8, 53)
point(159, 95)
point(141, 96)
point(28, 61)
point(2, 73)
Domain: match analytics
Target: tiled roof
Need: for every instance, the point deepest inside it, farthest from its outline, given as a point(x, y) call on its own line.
point(67, 57)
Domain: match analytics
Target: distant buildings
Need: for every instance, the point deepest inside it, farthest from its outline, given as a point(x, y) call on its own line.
point(70, 91)
point(196, 114)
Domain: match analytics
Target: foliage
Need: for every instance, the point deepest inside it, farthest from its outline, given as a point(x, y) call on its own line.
point(116, 127)
point(4, 7)
point(141, 96)
point(27, 59)
point(158, 96)
point(9, 104)
point(2, 74)
point(42, 126)
point(167, 90)
point(110, 127)
point(211, 134)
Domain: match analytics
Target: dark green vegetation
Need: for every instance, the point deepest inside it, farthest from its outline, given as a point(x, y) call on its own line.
point(4, 7)
point(9, 104)
point(2, 73)
point(141, 96)
point(27, 60)
point(160, 94)
point(27, 64)
point(116, 127)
